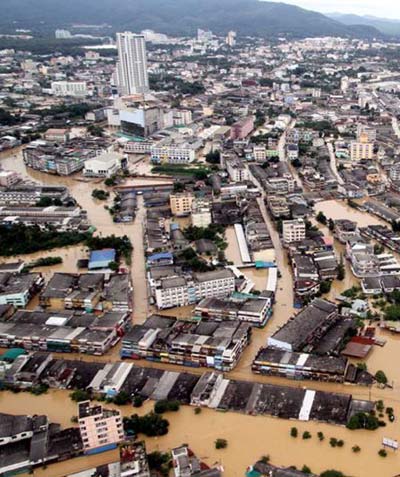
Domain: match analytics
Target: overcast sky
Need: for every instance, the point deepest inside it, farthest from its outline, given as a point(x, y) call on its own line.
point(379, 8)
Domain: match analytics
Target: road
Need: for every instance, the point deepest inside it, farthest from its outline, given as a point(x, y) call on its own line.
point(333, 163)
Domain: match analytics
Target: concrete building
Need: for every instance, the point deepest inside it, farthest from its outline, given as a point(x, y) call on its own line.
point(17, 289)
point(131, 74)
point(174, 151)
point(100, 428)
point(259, 153)
point(181, 204)
point(185, 290)
point(361, 149)
point(237, 170)
point(103, 165)
point(62, 34)
point(57, 135)
point(293, 230)
point(231, 38)
point(255, 311)
point(8, 178)
point(241, 129)
point(201, 212)
point(69, 88)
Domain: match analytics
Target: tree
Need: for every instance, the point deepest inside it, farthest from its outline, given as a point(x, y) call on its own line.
point(122, 398)
point(362, 420)
point(321, 436)
point(151, 425)
point(306, 435)
point(321, 218)
point(294, 432)
point(213, 157)
point(95, 130)
point(306, 470)
point(138, 401)
point(356, 449)
point(325, 286)
point(381, 378)
point(160, 462)
point(221, 443)
point(382, 453)
point(332, 473)
point(80, 395)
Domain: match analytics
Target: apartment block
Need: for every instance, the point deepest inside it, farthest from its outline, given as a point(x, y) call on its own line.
point(181, 204)
point(182, 290)
point(293, 230)
point(101, 429)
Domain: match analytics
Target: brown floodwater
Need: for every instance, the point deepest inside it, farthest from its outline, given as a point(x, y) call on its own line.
point(248, 437)
point(336, 209)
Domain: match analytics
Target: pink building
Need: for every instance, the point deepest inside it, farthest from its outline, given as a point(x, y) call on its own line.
point(100, 428)
point(242, 128)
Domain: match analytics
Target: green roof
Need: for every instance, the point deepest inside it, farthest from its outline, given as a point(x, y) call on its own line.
point(12, 354)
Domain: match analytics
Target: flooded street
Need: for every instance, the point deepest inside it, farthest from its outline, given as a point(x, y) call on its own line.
point(248, 437)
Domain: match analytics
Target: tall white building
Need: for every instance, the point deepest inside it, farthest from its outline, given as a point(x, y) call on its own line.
point(131, 74)
point(293, 230)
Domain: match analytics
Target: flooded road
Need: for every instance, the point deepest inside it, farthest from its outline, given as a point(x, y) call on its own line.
point(81, 190)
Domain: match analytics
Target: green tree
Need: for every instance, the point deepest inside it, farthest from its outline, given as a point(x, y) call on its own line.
point(381, 378)
point(221, 443)
point(294, 432)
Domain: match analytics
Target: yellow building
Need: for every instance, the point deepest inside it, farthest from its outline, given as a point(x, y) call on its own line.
point(181, 204)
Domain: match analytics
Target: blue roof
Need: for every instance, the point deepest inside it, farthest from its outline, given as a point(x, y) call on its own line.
point(107, 254)
point(160, 256)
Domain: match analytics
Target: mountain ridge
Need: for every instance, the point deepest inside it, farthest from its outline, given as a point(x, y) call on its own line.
point(182, 17)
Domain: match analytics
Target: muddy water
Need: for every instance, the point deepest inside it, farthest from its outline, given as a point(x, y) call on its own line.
point(335, 209)
point(248, 438)
point(81, 190)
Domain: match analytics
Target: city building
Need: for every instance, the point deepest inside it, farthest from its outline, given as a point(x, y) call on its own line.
point(103, 165)
point(361, 149)
point(237, 171)
point(201, 212)
point(18, 288)
point(241, 129)
point(175, 151)
point(306, 328)
point(255, 311)
point(101, 429)
point(293, 230)
point(181, 203)
point(186, 464)
point(182, 290)
point(131, 73)
point(69, 88)
point(203, 344)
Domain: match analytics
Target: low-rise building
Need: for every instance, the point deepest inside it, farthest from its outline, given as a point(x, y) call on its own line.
point(103, 165)
point(18, 288)
point(204, 344)
point(185, 290)
point(255, 311)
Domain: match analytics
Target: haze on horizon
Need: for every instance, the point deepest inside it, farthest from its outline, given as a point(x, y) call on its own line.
point(389, 9)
